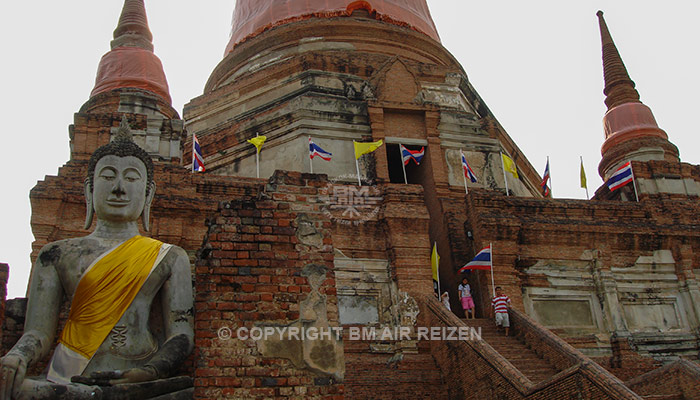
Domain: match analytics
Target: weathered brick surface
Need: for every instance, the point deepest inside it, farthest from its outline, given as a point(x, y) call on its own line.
point(626, 363)
point(681, 378)
point(372, 376)
point(249, 272)
point(13, 322)
point(655, 169)
point(526, 230)
point(4, 274)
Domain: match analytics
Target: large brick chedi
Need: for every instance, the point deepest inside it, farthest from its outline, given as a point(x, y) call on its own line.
point(612, 279)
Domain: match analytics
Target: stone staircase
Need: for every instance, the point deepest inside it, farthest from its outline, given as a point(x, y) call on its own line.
point(533, 364)
point(371, 373)
point(514, 350)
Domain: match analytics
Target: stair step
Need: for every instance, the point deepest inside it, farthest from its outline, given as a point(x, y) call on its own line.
point(514, 350)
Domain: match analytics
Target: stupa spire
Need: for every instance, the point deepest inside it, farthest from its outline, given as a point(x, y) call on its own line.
point(631, 132)
point(132, 29)
point(131, 63)
point(619, 87)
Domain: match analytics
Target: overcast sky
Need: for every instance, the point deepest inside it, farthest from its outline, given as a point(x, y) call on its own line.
point(537, 65)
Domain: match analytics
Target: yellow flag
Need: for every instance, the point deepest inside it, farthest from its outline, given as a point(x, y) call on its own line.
point(584, 184)
point(509, 165)
point(434, 263)
point(365, 148)
point(257, 142)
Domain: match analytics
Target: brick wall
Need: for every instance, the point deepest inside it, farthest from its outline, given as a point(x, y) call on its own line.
point(250, 272)
point(4, 274)
point(661, 171)
point(524, 231)
point(681, 378)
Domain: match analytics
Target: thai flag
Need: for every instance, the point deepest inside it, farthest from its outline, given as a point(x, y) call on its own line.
point(621, 177)
point(415, 155)
point(315, 150)
point(468, 170)
point(482, 260)
point(545, 178)
point(197, 159)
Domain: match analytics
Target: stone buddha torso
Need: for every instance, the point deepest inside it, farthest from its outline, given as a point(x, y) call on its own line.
point(131, 342)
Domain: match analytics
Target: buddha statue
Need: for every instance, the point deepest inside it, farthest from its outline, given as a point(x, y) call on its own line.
point(113, 277)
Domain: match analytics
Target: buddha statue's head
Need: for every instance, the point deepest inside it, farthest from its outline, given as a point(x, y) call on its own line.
point(119, 186)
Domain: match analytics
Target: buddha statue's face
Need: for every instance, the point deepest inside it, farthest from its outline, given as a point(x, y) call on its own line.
point(119, 190)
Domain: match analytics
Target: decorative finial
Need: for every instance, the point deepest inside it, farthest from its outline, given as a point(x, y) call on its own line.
point(124, 131)
point(132, 29)
point(619, 87)
point(599, 13)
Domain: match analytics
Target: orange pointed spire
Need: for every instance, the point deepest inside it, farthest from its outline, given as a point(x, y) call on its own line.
point(619, 87)
point(631, 132)
point(131, 63)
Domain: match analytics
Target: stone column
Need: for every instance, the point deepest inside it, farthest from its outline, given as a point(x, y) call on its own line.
point(376, 121)
point(606, 291)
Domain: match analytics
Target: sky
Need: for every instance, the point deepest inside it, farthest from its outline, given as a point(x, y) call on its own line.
point(537, 65)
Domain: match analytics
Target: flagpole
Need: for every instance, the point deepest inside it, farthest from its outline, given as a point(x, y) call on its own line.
point(311, 159)
point(357, 166)
point(505, 179)
point(438, 268)
point(493, 285)
point(257, 157)
point(464, 175)
point(634, 182)
point(551, 188)
point(587, 197)
point(403, 165)
point(193, 155)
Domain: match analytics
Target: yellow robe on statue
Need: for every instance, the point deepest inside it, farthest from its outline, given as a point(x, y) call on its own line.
point(104, 293)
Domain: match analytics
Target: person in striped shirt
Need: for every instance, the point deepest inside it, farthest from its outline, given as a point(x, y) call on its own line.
point(500, 305)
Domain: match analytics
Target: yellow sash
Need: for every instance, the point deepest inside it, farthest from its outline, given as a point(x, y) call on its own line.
point(106, 291)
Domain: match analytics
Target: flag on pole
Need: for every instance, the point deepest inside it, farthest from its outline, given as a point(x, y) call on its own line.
point(257, 142)
point(415, 155)
point(435, 264)
point(366, 148)
point(315, 150)
point(482, 260)
point(468, 173)
point(545, 178)
point(584, 184)
point(621, 177)
point(509, 165)
point(197, 159)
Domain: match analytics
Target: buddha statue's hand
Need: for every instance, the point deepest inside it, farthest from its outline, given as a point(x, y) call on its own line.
point(109, 378)
point(13, 368)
